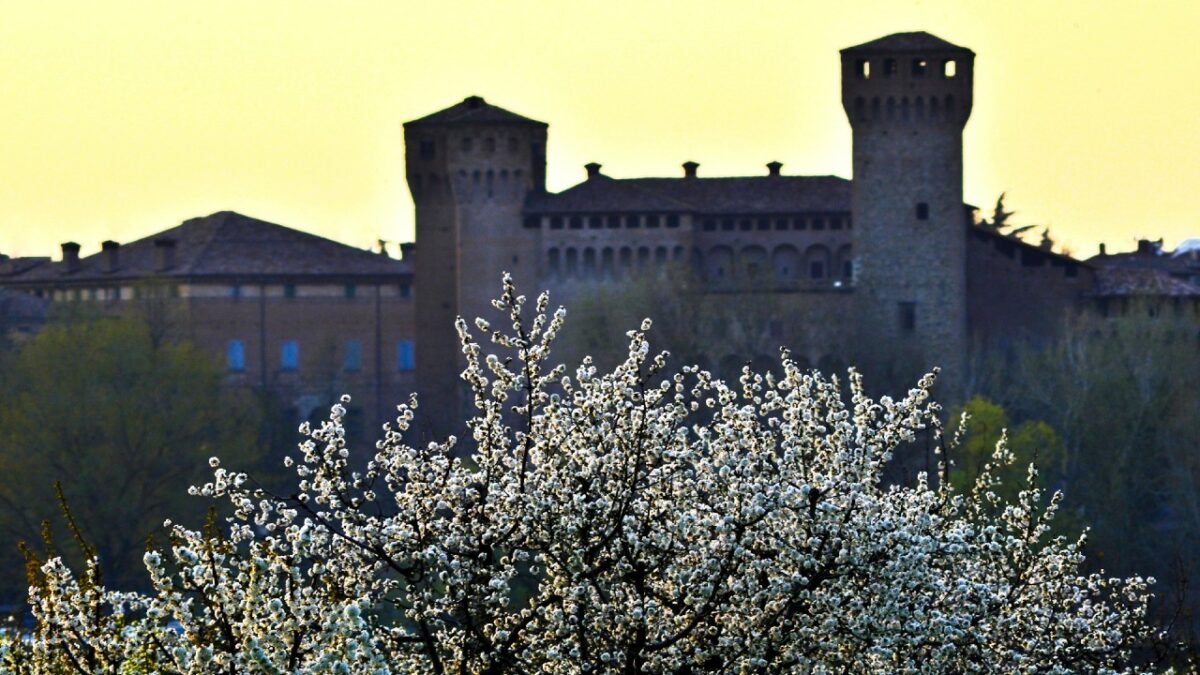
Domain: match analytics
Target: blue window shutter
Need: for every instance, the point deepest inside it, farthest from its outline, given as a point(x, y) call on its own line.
point(405, 356)
point(353, 355)
point(235, 355)
point(290, 355)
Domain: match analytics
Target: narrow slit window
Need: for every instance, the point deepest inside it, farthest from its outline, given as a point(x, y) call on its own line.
point(950, 69)
point(922, 211)
point(908, 317)
point(863, 68)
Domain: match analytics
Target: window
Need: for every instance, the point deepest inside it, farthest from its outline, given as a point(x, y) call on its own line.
point(353, 358)
point(405, 290)
point(672, 220)
point(818, 223)
point(745, 224)
point(289, 355)
point(427, 149)
point(764, 223)
point(289, 290)
point(613, 222)
point(556, 222)
point(594, 222)
point(919, 66)
point(350, 291)
point(235, 291)
point(890, 68)
point(863, 68)
point(835, 223)
point(710, 225)
point(633, 221)
point(847, 269)
point(652, 220)
point(727, 224)
point(781, 223)
point(576, 223)
point(949, 69)
point(816, 269)
point(235, 356)
point(908, 316)
point(799, 224)
point(922, 211)
point(405, 355)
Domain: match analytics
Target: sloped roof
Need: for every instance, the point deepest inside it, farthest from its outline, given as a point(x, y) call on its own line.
point(473, 109)
point(917, 41)
point(733, 195)
point(228, 244)
point(1127, 281)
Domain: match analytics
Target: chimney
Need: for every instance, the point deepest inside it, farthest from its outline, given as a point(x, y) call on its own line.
point(1103, 249)
point(109, 250)
point(164, 250)
point(689, 169)
point(1147, 247)
point(407, 249)
point(773, 168)
point(593, 170)
point(70, 256)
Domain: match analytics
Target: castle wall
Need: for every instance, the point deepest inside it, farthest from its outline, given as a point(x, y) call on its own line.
point(1015, 291)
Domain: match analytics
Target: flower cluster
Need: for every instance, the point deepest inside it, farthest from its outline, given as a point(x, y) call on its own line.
point(633, 521)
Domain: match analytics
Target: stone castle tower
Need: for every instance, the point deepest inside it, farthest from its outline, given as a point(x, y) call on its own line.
point(469, 168)
point(908, 97)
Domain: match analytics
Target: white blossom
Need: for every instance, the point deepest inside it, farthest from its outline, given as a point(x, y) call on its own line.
point(634, 520)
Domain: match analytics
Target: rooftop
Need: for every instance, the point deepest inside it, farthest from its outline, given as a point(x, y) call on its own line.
point(225, 244)
point(917, 41)
point(473, 109)
point(732, 195)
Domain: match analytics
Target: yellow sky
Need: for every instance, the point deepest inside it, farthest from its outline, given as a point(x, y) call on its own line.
point(122, 118)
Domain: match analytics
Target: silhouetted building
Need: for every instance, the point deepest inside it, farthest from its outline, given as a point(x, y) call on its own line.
point(889, 270)
point(299, 315)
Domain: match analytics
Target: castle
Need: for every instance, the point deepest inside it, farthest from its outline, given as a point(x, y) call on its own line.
point(891, 257)
point(888, 265)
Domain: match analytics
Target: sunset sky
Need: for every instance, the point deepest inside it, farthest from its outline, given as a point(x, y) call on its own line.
point(123, 118)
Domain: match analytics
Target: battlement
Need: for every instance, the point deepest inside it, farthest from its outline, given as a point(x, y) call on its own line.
point(912, 78)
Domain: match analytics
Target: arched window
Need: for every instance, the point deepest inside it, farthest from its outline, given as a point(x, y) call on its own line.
point(606, 263)
point(860, 108)
point(753, 262)
point(643, 259)
point(817, 261)
point(552, 262)
point(845, 262)
point(891, 108)
point(660, 257)
point(719, 263)
point(626, 256)
point(589, 263)
point(785, 260)
point(572, 262)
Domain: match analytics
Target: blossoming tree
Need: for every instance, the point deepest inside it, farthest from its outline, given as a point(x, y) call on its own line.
point(632, 521)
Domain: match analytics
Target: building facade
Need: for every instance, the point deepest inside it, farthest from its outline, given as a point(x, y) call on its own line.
point(302, 317)
point(889, 269)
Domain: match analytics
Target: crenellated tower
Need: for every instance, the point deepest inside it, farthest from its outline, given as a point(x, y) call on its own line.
point(469, 168)
point(908, 97)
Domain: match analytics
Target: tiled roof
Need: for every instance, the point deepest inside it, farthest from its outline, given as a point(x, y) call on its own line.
point(473, 109)
point(906, 42)
point(754, 194)
point(228, 244)
point(1127, 281)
